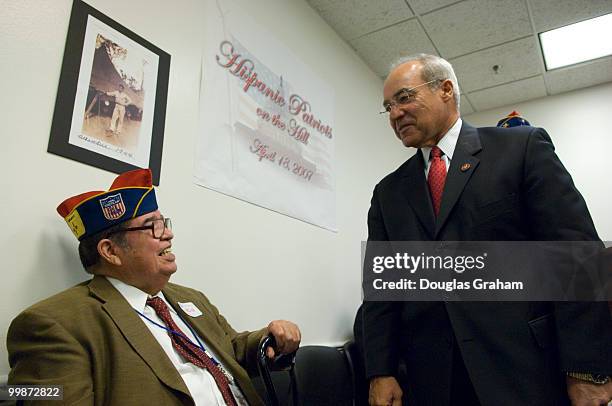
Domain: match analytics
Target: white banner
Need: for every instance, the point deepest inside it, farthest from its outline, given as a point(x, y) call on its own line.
point(266, 121)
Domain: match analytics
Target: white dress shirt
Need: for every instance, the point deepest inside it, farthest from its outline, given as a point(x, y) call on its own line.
point(199, 381)
point(447, 144)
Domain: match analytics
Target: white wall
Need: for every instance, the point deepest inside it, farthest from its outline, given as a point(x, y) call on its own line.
point(579, 124)
point(254, 264)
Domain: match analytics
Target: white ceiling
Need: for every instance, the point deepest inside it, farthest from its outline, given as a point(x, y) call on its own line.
point(473, 35)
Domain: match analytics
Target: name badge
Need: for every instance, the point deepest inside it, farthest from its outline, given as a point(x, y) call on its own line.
point(190, 309)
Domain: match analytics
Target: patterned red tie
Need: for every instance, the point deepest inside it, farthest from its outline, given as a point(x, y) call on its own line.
point(192, 352)
point(436, 178)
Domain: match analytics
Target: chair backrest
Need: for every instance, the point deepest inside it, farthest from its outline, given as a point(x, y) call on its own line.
point(323, 377)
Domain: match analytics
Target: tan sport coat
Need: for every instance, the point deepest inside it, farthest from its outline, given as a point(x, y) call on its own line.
point(92, 342)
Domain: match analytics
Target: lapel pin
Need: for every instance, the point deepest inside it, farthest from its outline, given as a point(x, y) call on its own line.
point(465, 167)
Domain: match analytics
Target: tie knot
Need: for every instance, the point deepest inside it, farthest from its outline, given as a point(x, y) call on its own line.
point(157, 304)
point(436, 152)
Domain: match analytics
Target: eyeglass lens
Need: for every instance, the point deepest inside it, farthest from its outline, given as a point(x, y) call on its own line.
point(160, 225)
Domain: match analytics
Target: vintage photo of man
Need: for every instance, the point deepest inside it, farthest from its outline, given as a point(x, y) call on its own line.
point(114, 108)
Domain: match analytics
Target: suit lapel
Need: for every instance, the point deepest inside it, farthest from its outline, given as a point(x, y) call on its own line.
point(417, 192)
point(462, 167)
point(138, 335)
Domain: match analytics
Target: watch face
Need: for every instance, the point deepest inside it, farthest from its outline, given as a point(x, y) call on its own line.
point(600, 379)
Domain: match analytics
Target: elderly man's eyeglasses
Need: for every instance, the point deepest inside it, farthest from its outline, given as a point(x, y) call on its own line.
point(403, 97)
point(157, 227)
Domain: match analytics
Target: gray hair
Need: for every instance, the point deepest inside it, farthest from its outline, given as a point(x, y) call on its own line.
point(434, 69)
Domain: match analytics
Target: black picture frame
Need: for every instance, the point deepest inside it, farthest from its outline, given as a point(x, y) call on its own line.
point(104, 149)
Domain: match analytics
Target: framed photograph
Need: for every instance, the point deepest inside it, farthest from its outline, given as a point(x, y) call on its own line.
point(111, 101)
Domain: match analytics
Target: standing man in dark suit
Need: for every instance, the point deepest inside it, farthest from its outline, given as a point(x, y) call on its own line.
point(128, 336)
point(478, 184)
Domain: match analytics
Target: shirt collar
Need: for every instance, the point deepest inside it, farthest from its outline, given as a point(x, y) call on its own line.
point(448, 142)
point(134, 296)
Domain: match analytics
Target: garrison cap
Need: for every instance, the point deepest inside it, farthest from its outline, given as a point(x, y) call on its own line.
point(131, 195)
point(513, 119)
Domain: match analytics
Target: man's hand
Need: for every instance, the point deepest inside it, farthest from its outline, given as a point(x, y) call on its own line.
point(583, 393)
point(385, 391)
point(287, 336)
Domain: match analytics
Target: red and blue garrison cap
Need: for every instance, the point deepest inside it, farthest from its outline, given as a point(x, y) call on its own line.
point(131, 195)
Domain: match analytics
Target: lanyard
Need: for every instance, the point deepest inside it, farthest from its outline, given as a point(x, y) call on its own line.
point(178, 333)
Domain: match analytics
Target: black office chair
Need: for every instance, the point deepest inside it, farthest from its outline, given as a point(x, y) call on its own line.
point(314, 376)
point(323, 377)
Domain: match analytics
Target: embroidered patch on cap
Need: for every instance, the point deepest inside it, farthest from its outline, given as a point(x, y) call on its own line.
point(113, 207)
point(76, 224)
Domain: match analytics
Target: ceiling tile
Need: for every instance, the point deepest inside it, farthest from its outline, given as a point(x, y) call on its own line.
point(465, 106)
point(424, 6)
point(549, 14)
point(516, 60)
point(579, 76)
point(352, 18)
point(382, 48)
point(475, 24)
point(510, 93)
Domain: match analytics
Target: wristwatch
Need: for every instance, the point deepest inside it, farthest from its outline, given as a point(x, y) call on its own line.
point(597, 379)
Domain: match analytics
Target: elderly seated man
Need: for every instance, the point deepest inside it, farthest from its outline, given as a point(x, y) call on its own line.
point(128, 336)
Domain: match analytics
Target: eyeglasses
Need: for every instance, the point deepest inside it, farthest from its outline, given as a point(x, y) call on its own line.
point(403, 97)
point(157, 227)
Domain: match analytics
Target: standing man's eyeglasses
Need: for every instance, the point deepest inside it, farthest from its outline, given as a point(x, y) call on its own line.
point(403, 97)
point(157, 227)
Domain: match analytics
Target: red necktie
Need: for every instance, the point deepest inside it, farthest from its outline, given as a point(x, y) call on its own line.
point(192, 352)
point(436, 178)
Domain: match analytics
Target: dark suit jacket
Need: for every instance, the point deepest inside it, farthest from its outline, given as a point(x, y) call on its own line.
point(515, 353)
point(92, 342)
